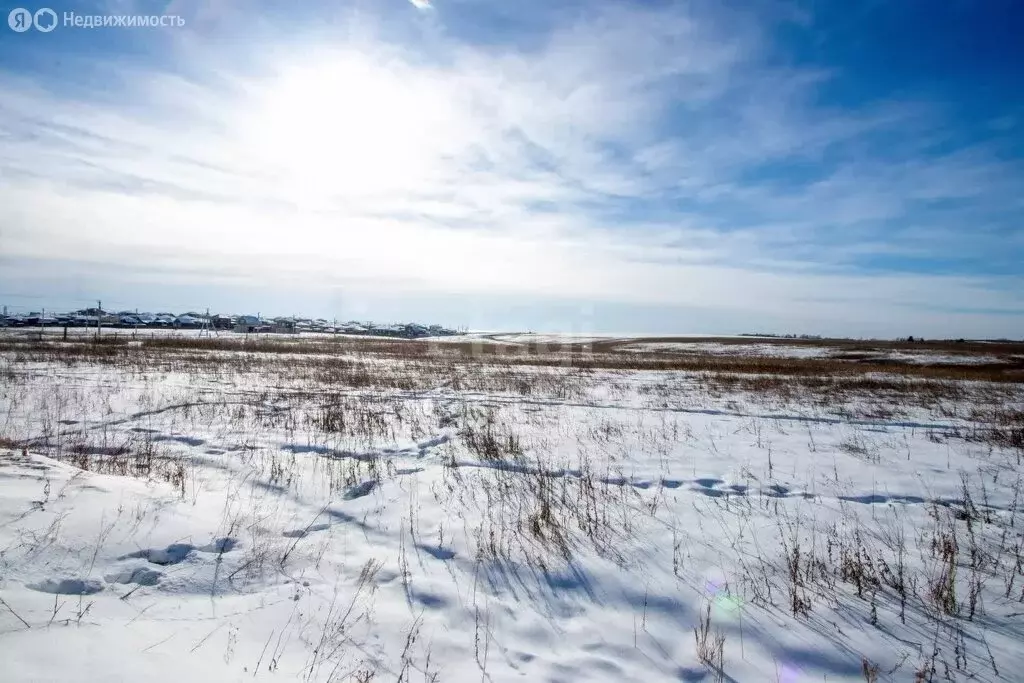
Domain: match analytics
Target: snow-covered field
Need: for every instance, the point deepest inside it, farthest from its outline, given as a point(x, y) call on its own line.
point(189, 515)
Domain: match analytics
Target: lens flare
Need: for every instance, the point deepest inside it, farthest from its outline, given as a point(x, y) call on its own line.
point(789, 674)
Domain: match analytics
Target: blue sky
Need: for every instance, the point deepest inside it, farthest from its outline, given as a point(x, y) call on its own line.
point(838, 168)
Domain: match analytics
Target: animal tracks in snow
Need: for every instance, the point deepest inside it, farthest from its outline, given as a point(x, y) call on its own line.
point(419, 450)
point(302, 533)
point(437, 552)
point(363, 488)
point(179, 552)
point(67, 586)
point(713, 487)
point(142, 576)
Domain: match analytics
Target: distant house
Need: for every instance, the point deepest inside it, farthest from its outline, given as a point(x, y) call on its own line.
point(283, 325)
point(251, 323)
point(415, 330)
point(397, 330)
point(38, 320)
point(222, 322)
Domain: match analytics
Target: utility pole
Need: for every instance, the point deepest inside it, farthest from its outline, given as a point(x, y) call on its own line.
point(42, 320)
point(99, 317)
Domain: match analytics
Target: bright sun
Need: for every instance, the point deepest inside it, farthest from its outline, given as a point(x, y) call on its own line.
point(350, 127)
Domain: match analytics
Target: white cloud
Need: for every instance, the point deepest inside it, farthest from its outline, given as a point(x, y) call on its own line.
point(606, 166)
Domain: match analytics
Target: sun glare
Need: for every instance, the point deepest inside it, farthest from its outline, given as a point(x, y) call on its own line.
point(349, 127)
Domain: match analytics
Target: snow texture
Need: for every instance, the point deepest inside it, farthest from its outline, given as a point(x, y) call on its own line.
point(486, 535)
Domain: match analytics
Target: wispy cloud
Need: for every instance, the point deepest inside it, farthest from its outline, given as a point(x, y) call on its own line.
point(649, 157)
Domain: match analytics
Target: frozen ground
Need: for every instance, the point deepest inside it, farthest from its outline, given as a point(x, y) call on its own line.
point(779, 350)
point(751, 349)
point(236, 521)
point(551, 338)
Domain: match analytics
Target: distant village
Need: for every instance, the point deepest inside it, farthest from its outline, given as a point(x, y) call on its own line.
point(95, 317)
